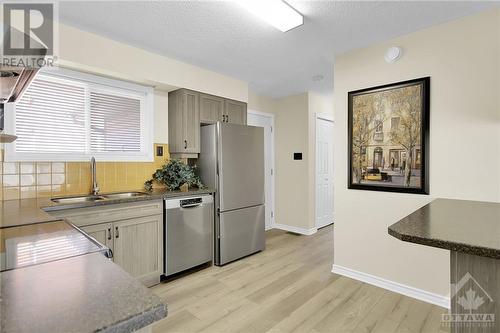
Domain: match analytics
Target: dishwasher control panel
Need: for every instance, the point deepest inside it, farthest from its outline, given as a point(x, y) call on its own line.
point(190, 202)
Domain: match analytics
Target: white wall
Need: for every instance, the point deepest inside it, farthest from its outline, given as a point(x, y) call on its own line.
point(462, 58)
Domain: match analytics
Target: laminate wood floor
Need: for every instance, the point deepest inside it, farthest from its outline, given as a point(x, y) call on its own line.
point(289, 287)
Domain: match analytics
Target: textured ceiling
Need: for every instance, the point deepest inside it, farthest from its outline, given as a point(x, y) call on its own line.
point(221, 36)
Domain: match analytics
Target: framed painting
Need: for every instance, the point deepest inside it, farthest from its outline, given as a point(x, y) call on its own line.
point(388, 129)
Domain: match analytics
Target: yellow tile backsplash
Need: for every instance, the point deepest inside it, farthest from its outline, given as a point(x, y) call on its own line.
point(46, 179)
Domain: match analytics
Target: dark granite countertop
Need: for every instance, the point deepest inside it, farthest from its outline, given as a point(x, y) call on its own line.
point(471, 227)
point(87, 293)
point(28, 211)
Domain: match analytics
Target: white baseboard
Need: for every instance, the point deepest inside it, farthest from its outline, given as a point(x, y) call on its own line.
point(296, 230)
point(419, 294)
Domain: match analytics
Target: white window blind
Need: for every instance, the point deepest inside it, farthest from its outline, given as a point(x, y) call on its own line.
point(114, 123)
point(50, 117)
point(72, 117)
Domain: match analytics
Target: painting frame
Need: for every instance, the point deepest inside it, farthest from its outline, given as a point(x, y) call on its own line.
point(424, 82)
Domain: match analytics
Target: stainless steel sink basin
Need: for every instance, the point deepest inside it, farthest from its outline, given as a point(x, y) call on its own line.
point(93, 198)
point(124, 195)
point(68, 200)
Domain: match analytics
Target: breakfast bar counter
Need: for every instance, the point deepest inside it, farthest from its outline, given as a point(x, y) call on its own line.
point(471, 231)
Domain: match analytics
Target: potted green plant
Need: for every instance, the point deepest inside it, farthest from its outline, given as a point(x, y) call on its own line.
point(175, 175)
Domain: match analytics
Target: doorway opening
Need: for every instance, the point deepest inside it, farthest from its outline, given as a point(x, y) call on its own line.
point(324, 170)
point(266, 120)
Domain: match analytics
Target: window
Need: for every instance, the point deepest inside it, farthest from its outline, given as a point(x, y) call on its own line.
point(394, 123)
point(71, 116)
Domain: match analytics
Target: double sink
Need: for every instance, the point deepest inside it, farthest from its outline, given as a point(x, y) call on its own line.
point(94, 198)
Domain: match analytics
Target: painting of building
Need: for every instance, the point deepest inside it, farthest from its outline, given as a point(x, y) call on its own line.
point(386, 134)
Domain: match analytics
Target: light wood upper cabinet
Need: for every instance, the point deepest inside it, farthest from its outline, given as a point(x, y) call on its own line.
point(235, 111)
point(138, 247)
point(103, 233)
point(184, 121)
point(188, 109)
point(211, 109)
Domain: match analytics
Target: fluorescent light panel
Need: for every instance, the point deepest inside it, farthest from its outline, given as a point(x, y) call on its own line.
point(277, 13)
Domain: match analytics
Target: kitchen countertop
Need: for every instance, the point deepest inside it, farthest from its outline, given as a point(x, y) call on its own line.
point(471, 227)
point(29, 211)
point(87, 293)
point(34, 244)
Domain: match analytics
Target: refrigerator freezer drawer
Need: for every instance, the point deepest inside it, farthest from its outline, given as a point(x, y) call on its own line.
point(241, 232)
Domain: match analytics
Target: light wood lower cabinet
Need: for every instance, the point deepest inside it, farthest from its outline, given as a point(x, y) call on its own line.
point(138, 247)
point(133, 231)
point(103, 233)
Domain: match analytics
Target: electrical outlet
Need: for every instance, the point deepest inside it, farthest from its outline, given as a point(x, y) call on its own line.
point(159, 150)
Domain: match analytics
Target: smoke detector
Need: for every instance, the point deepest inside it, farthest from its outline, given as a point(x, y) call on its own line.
point(393, 54)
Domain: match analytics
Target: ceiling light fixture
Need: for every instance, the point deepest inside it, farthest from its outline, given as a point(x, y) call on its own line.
point(277, 13)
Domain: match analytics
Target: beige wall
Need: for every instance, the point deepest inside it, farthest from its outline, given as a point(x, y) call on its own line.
point(261, 103)
point(85, 51)
point(462, 58)
point(160, 117)
point(292, 177)
point(294, 132)
point(90, 52)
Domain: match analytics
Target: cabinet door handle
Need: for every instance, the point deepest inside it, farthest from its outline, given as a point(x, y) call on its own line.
point(109, 233)
point(185, 144)
point(117, 232)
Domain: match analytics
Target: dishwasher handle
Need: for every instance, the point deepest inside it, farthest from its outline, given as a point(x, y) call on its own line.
point(191, 205)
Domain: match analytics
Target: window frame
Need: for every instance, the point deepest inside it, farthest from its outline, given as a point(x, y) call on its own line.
point(96, 84)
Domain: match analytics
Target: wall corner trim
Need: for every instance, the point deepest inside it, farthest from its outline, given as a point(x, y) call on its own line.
point(296, 230)
point(436, 299)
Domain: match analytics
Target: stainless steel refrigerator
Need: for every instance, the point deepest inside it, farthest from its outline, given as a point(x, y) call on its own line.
point(232, 162)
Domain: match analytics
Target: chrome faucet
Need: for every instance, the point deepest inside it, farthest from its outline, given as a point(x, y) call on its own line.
point(95, 188)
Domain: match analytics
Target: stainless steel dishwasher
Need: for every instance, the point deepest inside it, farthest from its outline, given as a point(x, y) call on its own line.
point(188, 232)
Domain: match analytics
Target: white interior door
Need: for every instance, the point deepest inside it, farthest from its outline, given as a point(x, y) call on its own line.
point(324, 172)
point(266, 121)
